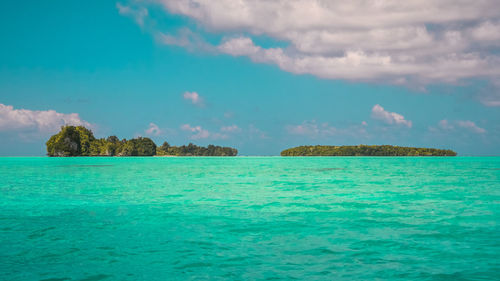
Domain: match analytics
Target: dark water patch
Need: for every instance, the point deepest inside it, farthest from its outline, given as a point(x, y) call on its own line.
point(456, 276)
point(173, 196)
point(58, 255)
point(105, 248)
point(357, 205)
point(361, 253)
point(236, 259)
point(194, 265)
point(376, 244)
point(86, 166)
point(96, 277)
point(485, 168)
point(366, 222)
point(56, 279)
point(323, 273)
point(201, 243)
point(320, 207)
point(327, 169)
point(39, 233)
point(254, 229)
point(319, 251)
point(274, 278)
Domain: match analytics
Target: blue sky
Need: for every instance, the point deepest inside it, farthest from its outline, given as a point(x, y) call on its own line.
point(203, 73)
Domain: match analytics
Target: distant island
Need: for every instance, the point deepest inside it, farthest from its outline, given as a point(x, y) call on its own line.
point(365, 150)
point(80, 141)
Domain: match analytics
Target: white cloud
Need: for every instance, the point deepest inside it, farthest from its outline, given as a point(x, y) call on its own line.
point(200, 133)
point(368, 66)
point(379, 113)
point(47, 121)
point(279, 16)
point(138, 14)
point(186, 38)
point(311, 129)
point(230, 129)
point(194, 98)
point(454, 126)
point(153, 130)
point(487, 32)
point(413, 42)
point(471, 126)
point(490, 96)
point(225, 132)
point(490, 102)
point(228, 114)
point(445, 124)
point(254, 132)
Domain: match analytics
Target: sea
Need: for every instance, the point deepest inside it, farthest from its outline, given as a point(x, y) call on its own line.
point(250, 218)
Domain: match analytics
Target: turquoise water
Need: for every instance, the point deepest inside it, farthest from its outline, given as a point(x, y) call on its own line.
point(250, 218)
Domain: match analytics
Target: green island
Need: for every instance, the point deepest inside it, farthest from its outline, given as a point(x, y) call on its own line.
point(365, 150)
point(80, 141)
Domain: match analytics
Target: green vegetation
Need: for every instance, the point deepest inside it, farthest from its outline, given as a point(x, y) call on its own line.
point(365, 150)
point(80, 141)
point(194, 150)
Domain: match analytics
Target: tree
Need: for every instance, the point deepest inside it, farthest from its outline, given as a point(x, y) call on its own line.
point(64, 143)
point(86, 138)
point(145, 146)
point(80, 141)
point(365, 150)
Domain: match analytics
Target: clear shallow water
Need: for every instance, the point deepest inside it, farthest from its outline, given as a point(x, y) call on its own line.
point(255, 218)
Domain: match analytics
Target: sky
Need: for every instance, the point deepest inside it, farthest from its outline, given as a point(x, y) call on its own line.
point(257, 75)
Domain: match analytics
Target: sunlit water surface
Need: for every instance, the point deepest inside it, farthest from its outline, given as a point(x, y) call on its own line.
point(250, 218)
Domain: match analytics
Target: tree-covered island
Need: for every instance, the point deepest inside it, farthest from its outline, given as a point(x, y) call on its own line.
point(80, 141)
point(365, 150)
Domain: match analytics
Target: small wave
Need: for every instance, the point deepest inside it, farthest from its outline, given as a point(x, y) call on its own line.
point(86, 166)
point(327, 169)
point(96, 277)
point(194, 265)
point(319, 251)
point(40, 233)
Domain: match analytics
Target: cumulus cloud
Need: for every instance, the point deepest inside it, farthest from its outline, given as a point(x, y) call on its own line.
point(153, 130)
point(254, 132)
point(451, 126)
point(467, 124)
point(311, 129)
point(47, 121)
point(194, 98)
point(314, 130)
point(280, 16)
point(229, 114)
point(186, 38)
point(413, 42)
point(445, 124)
point(200, 133)
point(379, 113)
point(138, 14)
point(487, 32)
point(230, 129)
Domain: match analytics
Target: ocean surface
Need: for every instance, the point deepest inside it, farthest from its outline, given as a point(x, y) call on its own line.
point(250, 218)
